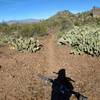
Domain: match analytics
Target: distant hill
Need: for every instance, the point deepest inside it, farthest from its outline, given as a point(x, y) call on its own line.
point(62, 20)
point(67, 19)
point(24, 21)
point(62, 15)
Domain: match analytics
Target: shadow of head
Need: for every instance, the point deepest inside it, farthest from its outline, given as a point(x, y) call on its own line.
point(61, 72)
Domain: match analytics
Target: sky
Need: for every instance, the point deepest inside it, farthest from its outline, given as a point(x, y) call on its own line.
point(41, 9)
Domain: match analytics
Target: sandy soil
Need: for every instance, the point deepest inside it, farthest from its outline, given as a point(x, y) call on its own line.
point(19, 71)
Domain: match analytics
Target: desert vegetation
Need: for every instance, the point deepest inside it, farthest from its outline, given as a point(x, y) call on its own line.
point(83, 39)
point(80, 30)
point(22, 37)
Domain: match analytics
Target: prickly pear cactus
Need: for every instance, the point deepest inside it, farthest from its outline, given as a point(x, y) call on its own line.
point(83, 39)
point(25, 44)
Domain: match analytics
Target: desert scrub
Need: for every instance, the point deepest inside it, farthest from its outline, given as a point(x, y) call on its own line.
point(25, 44)
point(37, 29)
point(83, 39)
point(4, 38)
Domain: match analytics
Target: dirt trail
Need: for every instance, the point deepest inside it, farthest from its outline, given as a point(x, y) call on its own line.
point(51, 52)
point(51, 56)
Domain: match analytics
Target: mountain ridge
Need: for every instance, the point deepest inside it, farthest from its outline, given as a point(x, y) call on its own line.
point(23, 21)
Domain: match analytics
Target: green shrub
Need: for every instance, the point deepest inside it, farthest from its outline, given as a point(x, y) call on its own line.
point(30, 30)
point(25, 44)
point(83, 39)
point(39, 29)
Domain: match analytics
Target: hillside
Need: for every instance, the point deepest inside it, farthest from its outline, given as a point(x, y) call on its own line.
point(84, 18)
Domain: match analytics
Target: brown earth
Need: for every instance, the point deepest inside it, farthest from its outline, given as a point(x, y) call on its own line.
point(19, 71)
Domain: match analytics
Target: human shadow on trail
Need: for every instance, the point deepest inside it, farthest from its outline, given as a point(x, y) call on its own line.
point(61, 86)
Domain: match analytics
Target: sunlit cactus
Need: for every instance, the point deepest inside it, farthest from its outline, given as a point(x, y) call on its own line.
point(83, 39)
point(25, 44)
